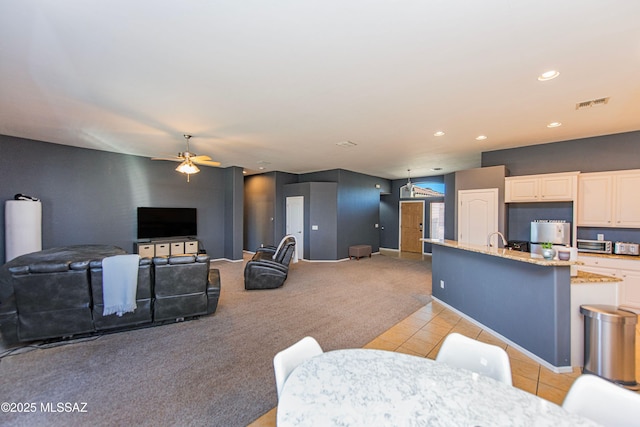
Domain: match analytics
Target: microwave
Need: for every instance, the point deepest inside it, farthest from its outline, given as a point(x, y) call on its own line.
point(594, 246)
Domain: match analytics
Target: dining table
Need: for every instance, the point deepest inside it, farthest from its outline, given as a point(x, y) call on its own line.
point(367, 387)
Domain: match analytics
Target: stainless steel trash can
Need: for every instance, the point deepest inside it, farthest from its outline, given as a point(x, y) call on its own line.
point(609, 343)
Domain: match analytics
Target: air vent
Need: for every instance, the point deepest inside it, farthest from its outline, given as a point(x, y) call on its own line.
point(592, 103)
point(346, 144)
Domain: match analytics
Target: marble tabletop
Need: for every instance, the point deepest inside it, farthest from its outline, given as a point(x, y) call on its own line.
point(361, 387)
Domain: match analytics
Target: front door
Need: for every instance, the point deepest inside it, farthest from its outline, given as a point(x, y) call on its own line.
point(411, 226)
point(295, 222)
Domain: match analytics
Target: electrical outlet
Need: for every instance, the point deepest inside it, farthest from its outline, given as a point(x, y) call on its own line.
point(442, 284)
point(600, 237)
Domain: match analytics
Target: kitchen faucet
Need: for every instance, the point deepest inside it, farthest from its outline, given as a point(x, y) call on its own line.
point(504, 241)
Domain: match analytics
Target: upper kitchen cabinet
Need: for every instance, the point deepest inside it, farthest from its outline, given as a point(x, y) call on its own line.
point(551, 187)
point(609, 199)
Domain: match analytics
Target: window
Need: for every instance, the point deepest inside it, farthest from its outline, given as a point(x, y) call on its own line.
point(437, 220)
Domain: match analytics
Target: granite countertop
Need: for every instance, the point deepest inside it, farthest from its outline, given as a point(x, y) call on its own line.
point(503, 253)
point(611, 256)
point(585, 277)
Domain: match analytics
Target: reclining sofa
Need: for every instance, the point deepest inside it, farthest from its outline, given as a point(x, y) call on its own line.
point(57, 293)
point(269, 266)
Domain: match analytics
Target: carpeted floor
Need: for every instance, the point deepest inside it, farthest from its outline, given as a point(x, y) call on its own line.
point(217, 370)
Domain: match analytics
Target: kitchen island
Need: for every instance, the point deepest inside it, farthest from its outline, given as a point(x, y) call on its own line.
point(522, 297)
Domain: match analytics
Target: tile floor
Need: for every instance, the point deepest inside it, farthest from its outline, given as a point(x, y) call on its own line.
point(422, 333)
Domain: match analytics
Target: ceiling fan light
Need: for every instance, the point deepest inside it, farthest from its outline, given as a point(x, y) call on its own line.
point(187, 167)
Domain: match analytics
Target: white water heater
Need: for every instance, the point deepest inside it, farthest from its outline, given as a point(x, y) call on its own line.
point(23, 227)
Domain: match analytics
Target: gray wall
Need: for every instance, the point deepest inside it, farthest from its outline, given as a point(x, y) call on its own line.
point(234, 212)
point(602, 153)
point(320, 210)
point(265, 209)
point(358, 207)
point(390, 211)
point(474, 179)
point(526, 303)
point(259, 210)
point(91, 196)
point(450, 217)
point(324, 208)
point(304, 190)
point(597, 154)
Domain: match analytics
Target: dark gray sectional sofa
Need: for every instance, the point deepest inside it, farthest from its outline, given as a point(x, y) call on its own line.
point(57, 293)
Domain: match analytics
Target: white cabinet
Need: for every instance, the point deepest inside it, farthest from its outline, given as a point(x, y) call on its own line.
point(609, 199)
point(627, 202)
point(166, 248)
point(551, 187)
point(626, 269)
point(630, 292)
point(595, 199)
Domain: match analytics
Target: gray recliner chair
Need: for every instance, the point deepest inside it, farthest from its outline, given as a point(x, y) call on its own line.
point(269, 266)
point(54, 299)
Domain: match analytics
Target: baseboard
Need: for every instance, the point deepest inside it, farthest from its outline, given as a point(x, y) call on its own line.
point(556, 369)
point(226, 259)
point(302, 259)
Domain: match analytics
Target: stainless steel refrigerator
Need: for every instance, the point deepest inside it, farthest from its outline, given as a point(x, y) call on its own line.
point(556, 232)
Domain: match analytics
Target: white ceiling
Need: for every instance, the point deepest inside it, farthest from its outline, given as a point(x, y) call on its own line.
point(279, 83)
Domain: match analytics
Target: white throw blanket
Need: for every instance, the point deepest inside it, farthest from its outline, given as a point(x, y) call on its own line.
point(119, 284)
point(294, 258)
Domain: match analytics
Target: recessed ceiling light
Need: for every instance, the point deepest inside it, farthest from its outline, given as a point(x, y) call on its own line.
point(548, 75)
point(554, 124)
point(481, 137)
point(439, 133)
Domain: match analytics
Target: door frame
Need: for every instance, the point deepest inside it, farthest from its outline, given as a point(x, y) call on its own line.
point(400, 222)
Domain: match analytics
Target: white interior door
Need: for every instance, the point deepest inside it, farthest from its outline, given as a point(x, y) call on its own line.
point(295, 222)
point(477, 216)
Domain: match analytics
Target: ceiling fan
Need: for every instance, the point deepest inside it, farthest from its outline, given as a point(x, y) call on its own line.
point(189, 160)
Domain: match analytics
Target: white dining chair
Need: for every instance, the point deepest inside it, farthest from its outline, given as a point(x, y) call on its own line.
point(603, 401)
point(486, 359)
point(288, 359)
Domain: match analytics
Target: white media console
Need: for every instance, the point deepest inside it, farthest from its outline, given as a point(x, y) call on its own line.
point(166, 247)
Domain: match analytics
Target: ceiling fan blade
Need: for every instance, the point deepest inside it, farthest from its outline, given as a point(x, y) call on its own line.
point(197, 158)
point(205, 162)
point(171, 159)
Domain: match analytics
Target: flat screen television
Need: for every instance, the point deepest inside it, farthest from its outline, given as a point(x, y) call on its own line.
point(154, 223)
